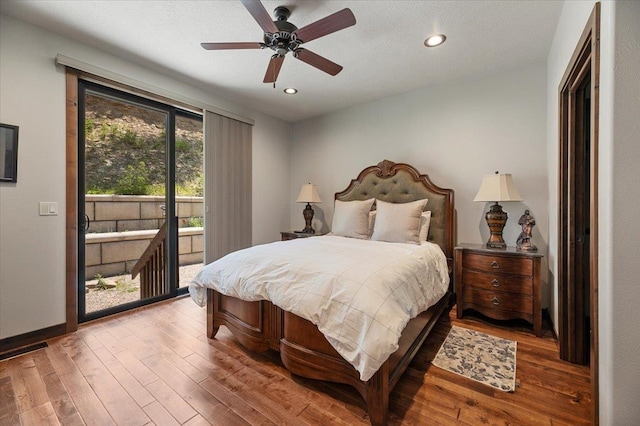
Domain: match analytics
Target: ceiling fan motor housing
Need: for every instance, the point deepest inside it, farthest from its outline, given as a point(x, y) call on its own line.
point(282, 41)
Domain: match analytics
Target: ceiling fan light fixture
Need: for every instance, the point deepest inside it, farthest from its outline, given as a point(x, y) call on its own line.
point(435, 40)
point(290, 91)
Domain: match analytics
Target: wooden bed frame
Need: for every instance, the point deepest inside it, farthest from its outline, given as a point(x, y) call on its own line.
point(304, 351)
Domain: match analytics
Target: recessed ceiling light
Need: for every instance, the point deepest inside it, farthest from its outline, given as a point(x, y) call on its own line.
point(435, 40)
point(290, 91)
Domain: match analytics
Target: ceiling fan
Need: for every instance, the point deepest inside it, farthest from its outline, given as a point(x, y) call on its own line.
point(282, 37)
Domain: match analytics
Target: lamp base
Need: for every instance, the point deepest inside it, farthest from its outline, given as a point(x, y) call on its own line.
point(497, 245)
point(496, 219)
point(308, 217)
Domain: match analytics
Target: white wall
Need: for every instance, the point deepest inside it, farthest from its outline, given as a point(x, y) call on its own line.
point(618, 262)
point(456, 132)
point(620, 344)
point(619, 150)
point(32, 96)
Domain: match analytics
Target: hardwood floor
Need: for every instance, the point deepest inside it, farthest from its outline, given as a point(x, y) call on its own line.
point(155, 366)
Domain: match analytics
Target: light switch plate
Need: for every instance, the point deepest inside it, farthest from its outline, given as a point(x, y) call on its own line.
point(48, 208)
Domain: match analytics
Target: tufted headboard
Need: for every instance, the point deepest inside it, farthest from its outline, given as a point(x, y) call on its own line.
point(402, 183)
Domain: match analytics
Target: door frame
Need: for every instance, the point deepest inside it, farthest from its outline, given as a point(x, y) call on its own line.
point(584, 61)
point(71, 202)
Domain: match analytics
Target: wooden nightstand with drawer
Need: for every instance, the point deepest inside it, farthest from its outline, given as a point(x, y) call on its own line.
point(501, 284)
point(292, 235)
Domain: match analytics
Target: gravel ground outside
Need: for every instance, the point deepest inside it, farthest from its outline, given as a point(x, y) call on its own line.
point(122, 289)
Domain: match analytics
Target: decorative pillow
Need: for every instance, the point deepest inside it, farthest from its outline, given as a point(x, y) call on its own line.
point(351, 218)
point(372, 221)
point(398, 223)
point(425, 222)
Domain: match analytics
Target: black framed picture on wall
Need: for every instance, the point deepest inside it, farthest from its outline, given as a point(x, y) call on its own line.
point(8, 153)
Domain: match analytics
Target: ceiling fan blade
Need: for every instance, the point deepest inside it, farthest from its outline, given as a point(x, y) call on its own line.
point(315, 60)
point(260, 14)
point(273, 69)
point(233, 45)
point(330, 24)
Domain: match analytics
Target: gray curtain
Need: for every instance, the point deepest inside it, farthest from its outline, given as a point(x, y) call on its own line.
point(227, 189)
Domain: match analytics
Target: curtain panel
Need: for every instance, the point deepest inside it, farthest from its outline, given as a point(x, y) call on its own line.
point(227, 188)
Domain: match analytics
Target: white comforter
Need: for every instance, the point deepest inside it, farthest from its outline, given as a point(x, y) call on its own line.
point(360, 293)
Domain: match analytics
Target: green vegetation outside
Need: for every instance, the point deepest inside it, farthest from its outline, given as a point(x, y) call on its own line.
point(125, 150)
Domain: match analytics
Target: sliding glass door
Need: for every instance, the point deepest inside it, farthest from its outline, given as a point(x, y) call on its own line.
point(129, 216)
point(189, 190)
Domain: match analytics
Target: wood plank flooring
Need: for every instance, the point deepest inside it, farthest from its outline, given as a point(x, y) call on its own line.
point(156, 366)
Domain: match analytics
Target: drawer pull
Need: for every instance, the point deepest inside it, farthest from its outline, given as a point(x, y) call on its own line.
point(495, 265)
point(495, 283)
point(495, 301)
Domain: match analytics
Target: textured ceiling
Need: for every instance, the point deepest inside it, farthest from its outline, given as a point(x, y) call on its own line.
point(382, 55)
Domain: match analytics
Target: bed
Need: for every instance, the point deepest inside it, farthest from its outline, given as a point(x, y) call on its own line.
point(304, 349)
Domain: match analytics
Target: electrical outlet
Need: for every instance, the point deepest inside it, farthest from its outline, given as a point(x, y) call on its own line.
point(48, 208)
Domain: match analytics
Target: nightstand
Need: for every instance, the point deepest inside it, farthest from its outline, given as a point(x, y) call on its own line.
point(291, 235)
point(501, 284)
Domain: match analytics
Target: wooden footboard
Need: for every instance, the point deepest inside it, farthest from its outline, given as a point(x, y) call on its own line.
point(304, 351)
point(256, 325)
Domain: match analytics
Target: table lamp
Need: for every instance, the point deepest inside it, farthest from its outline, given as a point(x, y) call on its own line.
point(495, 188)
point(308, 194)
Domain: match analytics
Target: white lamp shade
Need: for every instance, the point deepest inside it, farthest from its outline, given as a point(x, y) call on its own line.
point(308, 194)
point(498, 187)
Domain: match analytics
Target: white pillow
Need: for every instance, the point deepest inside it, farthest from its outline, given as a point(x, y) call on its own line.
point(351, 218)
point(425, 222)
point(372, 221)
point(398, 223)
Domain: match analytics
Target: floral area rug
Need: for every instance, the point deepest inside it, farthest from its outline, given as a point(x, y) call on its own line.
point(478, 356)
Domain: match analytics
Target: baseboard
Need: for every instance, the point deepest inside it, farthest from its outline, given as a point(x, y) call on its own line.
point(14, 342)
point(23, 350)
